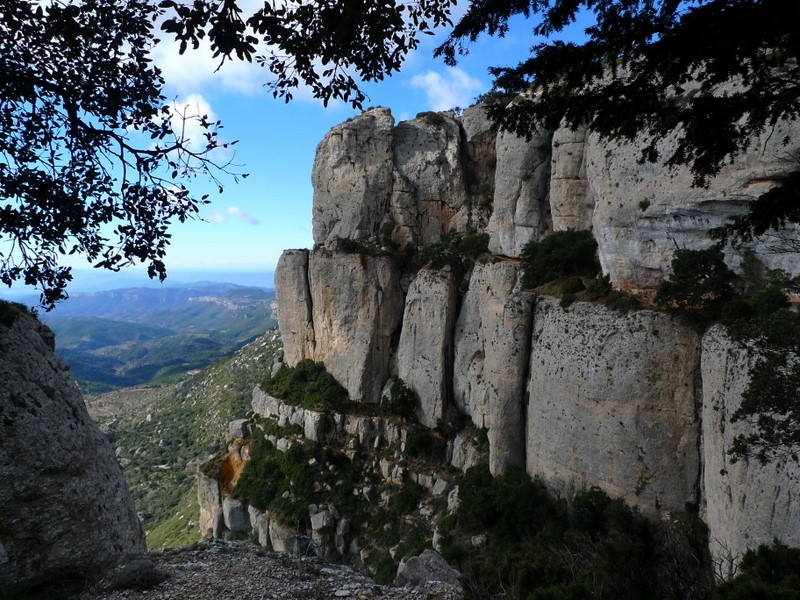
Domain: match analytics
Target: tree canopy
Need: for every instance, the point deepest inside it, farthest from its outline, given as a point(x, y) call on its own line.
point(716, 71)
point(95, 162)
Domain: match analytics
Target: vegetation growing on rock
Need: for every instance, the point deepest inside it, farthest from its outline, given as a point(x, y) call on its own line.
point(560, 254)
point(307, 384)
point(162, 433)
point(756, 311)
point(587, 546)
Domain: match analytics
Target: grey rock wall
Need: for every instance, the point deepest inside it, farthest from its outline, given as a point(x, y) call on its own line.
point(66, 509)
point(644, 211)
point(424, 353)
point(492, 340)
point(579, 395)
point(571, 200)
point(612, 404)
point(522, 183)
point(357, 304)
point(746, 503)
point(429, 198)
point(352, 177)
point(294, 303)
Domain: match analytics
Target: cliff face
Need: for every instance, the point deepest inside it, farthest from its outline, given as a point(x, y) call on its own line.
point(580, 395)
point(747, 503)
point(66, 509)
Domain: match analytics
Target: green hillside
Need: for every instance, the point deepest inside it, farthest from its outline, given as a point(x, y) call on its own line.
point(162, 433)
point(92, 333)
point(141, 336)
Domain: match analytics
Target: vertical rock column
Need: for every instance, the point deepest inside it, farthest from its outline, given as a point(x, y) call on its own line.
point(424, 355)
point(612, 404)
point(480, 163)
point(746, 503)
point(352, 178)
point(294, 306)
point(491, 340)
point(357, 304)
point(571, 203)
point(429, 197)
point(522, 183)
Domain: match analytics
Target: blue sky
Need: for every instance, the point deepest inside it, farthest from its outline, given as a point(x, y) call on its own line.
point(245, 228)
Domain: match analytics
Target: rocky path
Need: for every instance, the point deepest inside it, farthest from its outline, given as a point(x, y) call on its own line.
point(218, 570)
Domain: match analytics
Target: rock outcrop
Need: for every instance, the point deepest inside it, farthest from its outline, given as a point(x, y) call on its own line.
point(644, 211)
point(571, 200)
point(492, 341)
point(375, 446)
point(66, 509)
point(429, 196)
point(294, 299)
point(424, 353)
point(356, 305)
point(521, 210)
point(352, 178)
point(579, 395)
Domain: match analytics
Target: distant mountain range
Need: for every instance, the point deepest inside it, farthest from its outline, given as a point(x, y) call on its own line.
point(136, 336)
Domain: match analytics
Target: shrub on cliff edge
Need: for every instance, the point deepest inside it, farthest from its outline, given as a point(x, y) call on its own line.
point(560, 254)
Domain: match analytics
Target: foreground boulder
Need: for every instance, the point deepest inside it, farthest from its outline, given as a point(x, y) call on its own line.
point(66, 509)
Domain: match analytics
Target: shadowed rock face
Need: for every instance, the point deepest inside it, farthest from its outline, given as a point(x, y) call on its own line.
point(66, 509)
point(356, 305)
point(746, 503)
point(492, 342)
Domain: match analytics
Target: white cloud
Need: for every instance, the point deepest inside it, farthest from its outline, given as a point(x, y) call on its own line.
point(454, 88)
point(237, 213)
point(197, 69)
point(233, 212)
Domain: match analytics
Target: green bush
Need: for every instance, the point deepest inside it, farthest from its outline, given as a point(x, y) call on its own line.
point(761, 321)
point(433, 118)
point(308, 385)
point(402, 400)
point(591, 547)
point(560, 254)
point(261, 480)
point(512, 506)
point(423, 443)
point(456, 250)
point(699, 286)
point(770, 572)
point(349, 246)
point(270, 473)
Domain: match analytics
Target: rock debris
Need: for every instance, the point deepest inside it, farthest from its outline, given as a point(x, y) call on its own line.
point(218, 570)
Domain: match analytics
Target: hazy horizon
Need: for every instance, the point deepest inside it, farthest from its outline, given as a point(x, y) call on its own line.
point(88, 281)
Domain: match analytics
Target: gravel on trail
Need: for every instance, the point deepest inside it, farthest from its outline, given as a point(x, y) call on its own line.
point(217, 570)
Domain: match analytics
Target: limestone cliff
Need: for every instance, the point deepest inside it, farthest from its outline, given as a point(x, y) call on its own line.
point(579, 395)
point(66, 509)
point(746, 503)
